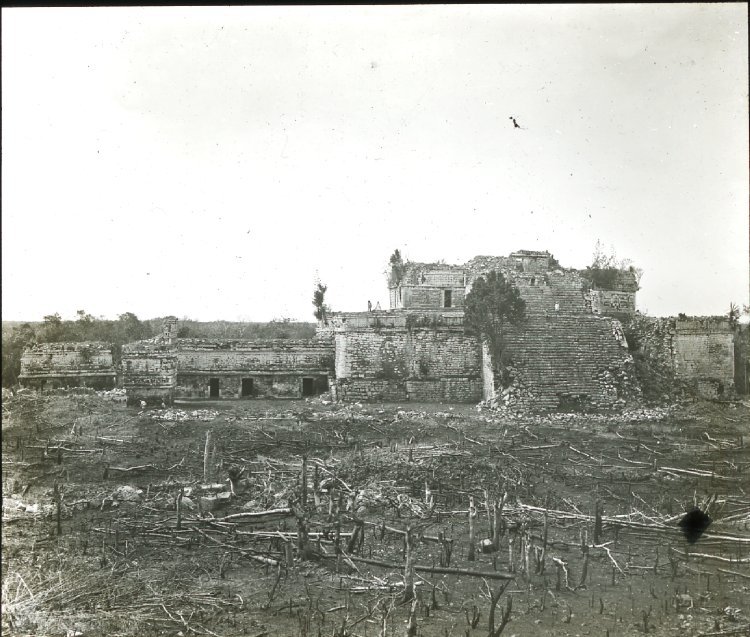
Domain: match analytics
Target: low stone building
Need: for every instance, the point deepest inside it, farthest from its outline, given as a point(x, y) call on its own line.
point(58, 365)
point(702, 353)
point(249, 369)
point(168, 368)
point(429, 286)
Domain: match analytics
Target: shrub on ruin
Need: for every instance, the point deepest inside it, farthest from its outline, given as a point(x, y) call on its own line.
point(492, 304)
point(397, 269)
point(321, 309)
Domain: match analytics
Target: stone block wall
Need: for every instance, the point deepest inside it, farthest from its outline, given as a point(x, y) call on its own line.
point(396, 363)
point(149, 371)
point(424, 297)
point(699, 352)
point(280, 368)
point(611, 303)
point(55, 365)
point(704, 354)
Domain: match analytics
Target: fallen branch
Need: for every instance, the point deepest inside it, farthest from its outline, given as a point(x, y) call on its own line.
point(256, 515)
point(440, 570)
point(246, 553)
point(718, 558)
point(142, 467)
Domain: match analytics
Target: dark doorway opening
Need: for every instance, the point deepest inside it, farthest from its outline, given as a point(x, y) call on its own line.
point(308, 386)
point(247, 387)
point(323, 384)
point(447, 300)
point(213, 387)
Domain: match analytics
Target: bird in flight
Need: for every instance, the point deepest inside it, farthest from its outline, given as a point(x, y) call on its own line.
point(515, 123)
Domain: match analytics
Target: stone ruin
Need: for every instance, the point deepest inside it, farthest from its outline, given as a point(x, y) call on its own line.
point(569, 354)
point(62, 365)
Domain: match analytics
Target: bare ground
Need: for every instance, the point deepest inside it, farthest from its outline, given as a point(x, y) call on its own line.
point(117, 561)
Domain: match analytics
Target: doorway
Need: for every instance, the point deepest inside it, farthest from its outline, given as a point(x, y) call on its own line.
point(213, 388)
point(308, 386)
point(247, 387)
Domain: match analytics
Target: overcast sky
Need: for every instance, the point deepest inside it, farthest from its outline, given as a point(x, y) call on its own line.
point(211, 162)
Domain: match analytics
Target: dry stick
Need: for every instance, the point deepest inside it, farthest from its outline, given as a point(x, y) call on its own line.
point(544, 537)
point(248, 554)
point(436, 539)
point(505, 614)
point(489, 513)
point(597, 522)
point(257, 515)
point(613, 560)
point(585, 567)
point(206, 459)
point(438, 570)
point(706, 556)
point(409, 543)
point(411, 627)
point(316, 487)
point(58, 499)
point(562, 568)
point(142, 467)
point(472, 514)
point(497, 520)
point(179, 508)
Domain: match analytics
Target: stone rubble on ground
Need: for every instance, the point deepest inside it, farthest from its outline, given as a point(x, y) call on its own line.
point(181, 415)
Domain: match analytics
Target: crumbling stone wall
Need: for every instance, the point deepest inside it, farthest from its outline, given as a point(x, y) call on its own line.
point(611, 303)
point(400, 363)
point(704, 354)
point(424, 285)
point(559, 289)
point(149, 371)
point(55, 365)
point(698, 352)
point(274, 368)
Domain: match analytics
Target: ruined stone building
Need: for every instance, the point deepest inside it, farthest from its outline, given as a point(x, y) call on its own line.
point(566, 354)
point(168, 368)
point(58, 365)
point(569, 352)
point(700, 351)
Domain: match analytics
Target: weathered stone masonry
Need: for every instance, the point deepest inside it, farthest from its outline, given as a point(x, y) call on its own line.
point(56, 365)
point(149, 371)
point(382, 358)
point(699, 351)
point(247, 369)
point(569, 353)
point(167, 368)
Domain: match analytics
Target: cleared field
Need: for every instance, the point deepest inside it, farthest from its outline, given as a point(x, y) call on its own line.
point(300, 518)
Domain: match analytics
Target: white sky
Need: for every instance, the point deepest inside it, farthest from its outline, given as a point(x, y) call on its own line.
point(208, 162)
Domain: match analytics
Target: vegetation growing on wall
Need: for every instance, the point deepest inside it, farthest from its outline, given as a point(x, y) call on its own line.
point(606, 269)
point(321, 309)
point(396, 269)
point(128, 328)
point(490, 306)
point(422, 320)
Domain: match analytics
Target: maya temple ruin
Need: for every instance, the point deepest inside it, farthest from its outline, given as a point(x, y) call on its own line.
point(569, 353)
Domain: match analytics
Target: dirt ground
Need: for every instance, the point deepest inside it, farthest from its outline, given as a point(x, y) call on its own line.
point(587, 541)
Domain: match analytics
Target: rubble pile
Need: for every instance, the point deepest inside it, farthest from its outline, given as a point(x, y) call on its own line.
point(181, 415)
point(115, 395)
